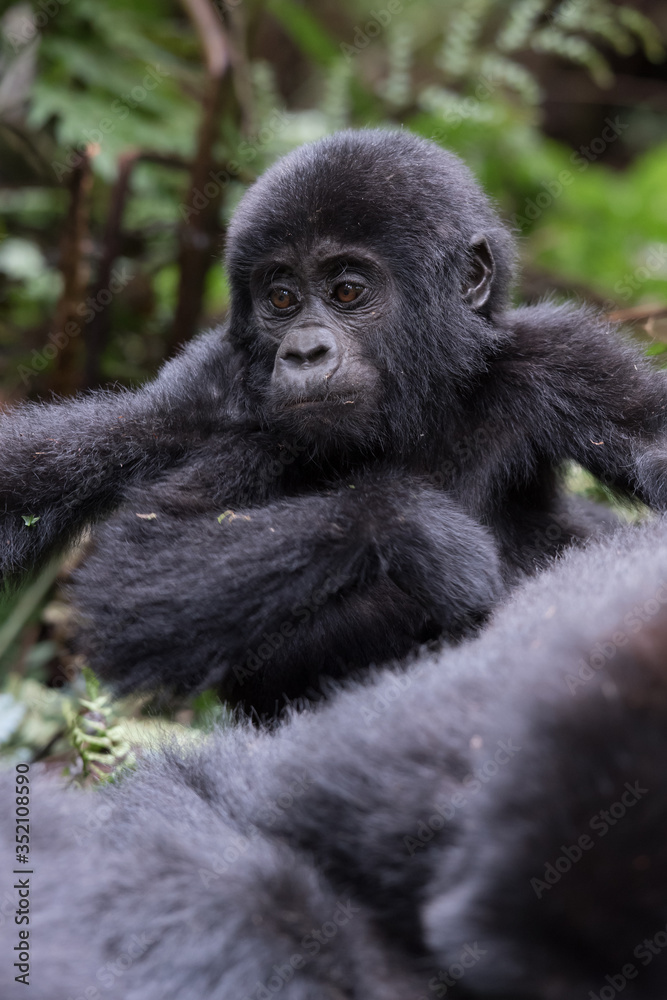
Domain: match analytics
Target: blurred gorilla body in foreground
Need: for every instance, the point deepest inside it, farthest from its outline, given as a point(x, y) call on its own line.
point(490, 820)
point(357, 463)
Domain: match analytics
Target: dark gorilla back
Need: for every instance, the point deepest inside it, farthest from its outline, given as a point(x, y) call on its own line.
point(492, 819)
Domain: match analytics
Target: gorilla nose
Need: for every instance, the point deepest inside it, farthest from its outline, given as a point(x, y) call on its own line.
point(304, 350)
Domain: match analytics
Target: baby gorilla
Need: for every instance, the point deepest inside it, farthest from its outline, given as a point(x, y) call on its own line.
point(360, 461)
point(492, 818)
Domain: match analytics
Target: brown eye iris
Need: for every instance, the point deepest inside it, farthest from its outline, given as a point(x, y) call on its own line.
point(282, 298)
point(347, 292)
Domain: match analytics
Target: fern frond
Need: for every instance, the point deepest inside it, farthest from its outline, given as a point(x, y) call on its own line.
point(644, 30)
point(336, 101)
point(461, 34)
point(575, 50)
point(500, 71)
point(397, 88)
point(516, 32)
point(99, 742)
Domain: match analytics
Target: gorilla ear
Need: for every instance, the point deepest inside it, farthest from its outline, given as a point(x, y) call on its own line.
point(476, 288)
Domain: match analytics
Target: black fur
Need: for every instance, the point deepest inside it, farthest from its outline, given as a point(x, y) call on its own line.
point(413, 833)
point(383, 467)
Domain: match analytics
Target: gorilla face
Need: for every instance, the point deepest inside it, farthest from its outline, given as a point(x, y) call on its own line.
point(317, 315)
point(363, 289)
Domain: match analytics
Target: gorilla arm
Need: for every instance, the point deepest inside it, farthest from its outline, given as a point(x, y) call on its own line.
point(264, 600)
point(575, 390)
point(66, 463)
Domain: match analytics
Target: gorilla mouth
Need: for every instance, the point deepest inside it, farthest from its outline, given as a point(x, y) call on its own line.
point(322, 401)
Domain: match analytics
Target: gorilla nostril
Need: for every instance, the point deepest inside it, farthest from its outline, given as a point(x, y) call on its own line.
point(292, 358)
point(317, 354)
point(307, 353)
point(303, 359)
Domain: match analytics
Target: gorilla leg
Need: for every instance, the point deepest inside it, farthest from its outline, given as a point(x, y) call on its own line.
point(264, 600)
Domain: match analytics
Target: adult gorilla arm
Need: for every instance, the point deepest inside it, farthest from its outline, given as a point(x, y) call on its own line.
point(563, 386)
point(68, 462)
point(267, 599)
point(589, 396)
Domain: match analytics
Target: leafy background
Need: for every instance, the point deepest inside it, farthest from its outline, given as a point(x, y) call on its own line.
point(115, 116)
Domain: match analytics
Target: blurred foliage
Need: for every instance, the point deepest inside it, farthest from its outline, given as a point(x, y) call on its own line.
point(99, 742)
point(95, 84)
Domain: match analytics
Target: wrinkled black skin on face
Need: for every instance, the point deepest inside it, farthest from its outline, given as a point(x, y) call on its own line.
point(316, 359)
point(409, 823)
point(390, 464)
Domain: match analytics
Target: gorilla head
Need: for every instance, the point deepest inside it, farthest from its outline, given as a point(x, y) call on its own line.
point(366, 272)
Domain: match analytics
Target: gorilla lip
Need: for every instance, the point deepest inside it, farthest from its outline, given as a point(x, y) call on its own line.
point(328, 401)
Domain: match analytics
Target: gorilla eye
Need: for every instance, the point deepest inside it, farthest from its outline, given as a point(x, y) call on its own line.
point(347, 292)
point(282, 298)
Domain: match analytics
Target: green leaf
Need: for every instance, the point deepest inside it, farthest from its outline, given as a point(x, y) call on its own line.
point(11, 716)
point(21, 259)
